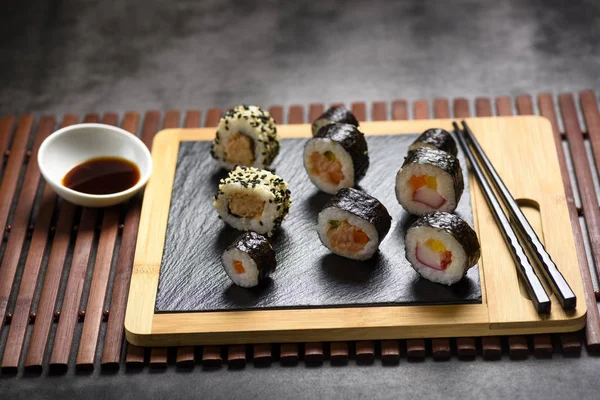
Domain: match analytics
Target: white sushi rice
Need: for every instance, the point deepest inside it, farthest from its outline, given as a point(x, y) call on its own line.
point(336, 214)
point(404, 191)
point(322, 145)
point(261, 185)
point(253, 122)
point(420, 145)
point(453, 272)
point(250, 276)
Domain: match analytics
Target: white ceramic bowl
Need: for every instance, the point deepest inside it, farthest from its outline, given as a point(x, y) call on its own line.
point(70, 146)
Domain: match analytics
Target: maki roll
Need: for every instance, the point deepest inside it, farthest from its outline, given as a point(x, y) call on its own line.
point(251, 199)
point(335, 114)
point(429, 180)
point(436, 139)
point(336, 158)
point(441, 247)
point(249, 259)
point(246, 136)
point(353, 224)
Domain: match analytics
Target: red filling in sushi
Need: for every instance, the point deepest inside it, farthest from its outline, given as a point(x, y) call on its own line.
point(425, 191)
point(433, 254)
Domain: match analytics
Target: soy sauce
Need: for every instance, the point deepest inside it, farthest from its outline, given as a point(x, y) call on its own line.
point(102, 175)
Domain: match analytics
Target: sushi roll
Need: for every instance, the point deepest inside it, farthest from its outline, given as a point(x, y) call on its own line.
point(335, 114)
point(441, 247)
point(249, 259)
point(250, 199)
point(353, 224)
point(246, 136)
point(429, 180)
point(436, 139)
point(336, 158)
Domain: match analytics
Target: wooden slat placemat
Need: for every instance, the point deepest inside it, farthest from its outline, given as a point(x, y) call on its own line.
point(65, 271)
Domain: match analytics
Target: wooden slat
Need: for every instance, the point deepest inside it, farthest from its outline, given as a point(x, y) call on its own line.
point(63, 340)
point(585, 183)
point(313, 353)
point(158, 355)
point(45, 308)
point(542, 346)
point(236, 356)
point(571, 344)
point(19, 228)
point(379, 111)
point(359, 109)
point(592, 329)
point(288, 353)
point(33, 263)
point(421, 109)
point(6, 129)
point(483, 107)
point(390, 351)
point(415, 349)
point(186, 355)
point(211, 355)
point(365, 352)
point(517, 345)
point(86, 353)
point(135, 355)
point(315, 111)
point(339, 353)
point(518, 348)
point(113, 341)
point(296, 115)
point(466, 347)
point(540, 342)
point(441, 108)
point(491, 346)
point(399, 110)
point(13, 167)
point(262, 354)
point(277, 114)
point(503, 106)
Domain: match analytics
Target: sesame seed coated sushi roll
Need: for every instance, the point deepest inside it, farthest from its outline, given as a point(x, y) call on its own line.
point(249, 259)
point(441, 247)
point(336, 158)
point(246, 136)
point(353, 224)
point(250, 199)
point(429, 180)
point(436, 139)
point(336, 114)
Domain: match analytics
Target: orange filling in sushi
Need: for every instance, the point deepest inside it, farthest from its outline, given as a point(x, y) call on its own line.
point(434, 254)
point(238, 266)
point(346, 237)
point(327, 166)
point(240, 149)
point(247, 206)
point(425, 191)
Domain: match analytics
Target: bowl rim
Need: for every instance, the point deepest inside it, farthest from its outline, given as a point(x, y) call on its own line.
point(137, 142)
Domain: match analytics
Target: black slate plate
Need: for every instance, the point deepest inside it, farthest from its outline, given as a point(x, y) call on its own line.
point(307, 274)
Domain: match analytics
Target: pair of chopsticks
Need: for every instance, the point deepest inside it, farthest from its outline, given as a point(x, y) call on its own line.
point(536, 290)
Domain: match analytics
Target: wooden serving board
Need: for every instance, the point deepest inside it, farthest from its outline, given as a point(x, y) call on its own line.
point(523, 152)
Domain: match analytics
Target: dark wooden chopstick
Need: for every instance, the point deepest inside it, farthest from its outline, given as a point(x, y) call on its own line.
point(536, 291)
point(561, 288)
